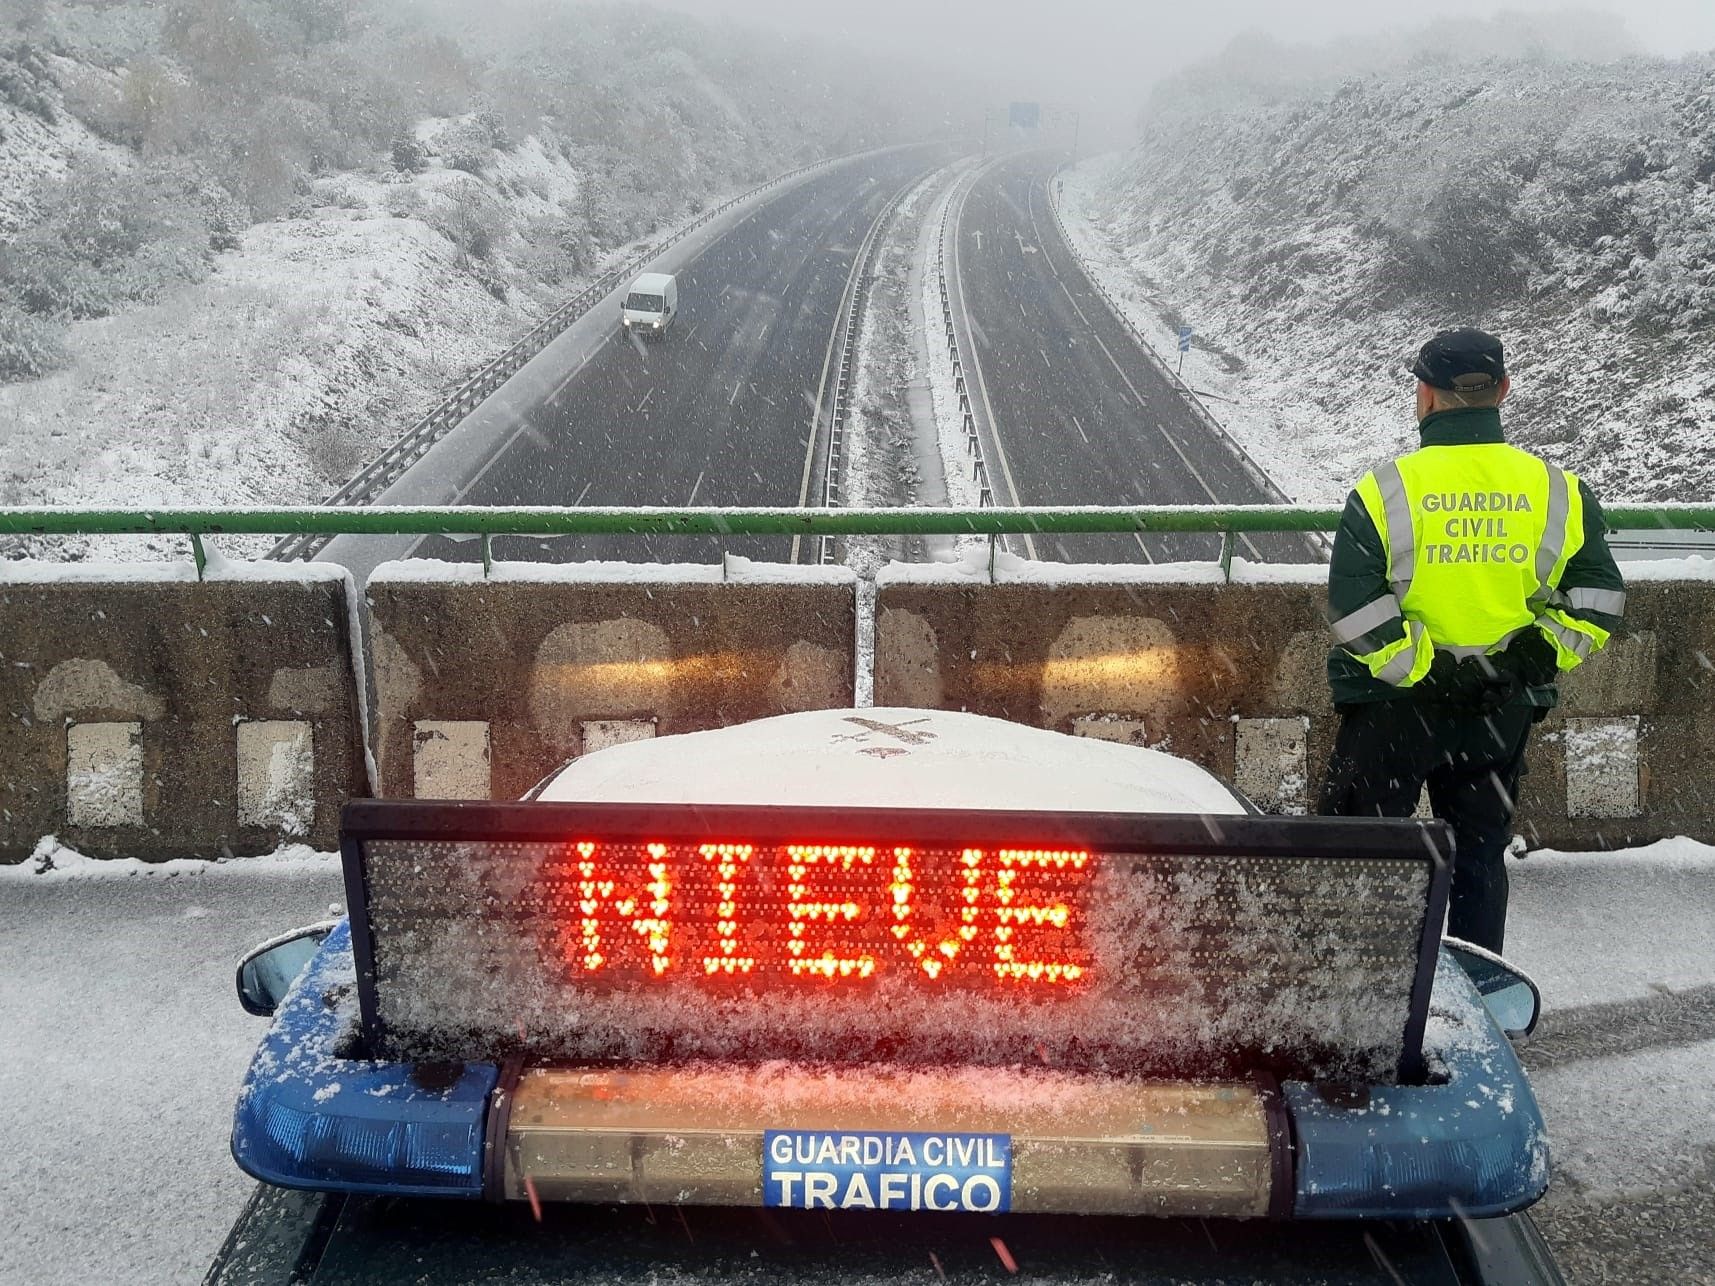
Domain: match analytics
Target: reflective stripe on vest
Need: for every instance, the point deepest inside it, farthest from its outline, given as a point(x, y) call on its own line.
point(1477, 536)
point(1554, 529)
point(1401, 551)
point(1354, 625)
point(1610, 602)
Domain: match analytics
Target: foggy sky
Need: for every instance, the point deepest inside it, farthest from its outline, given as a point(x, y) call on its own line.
point(1102, 56)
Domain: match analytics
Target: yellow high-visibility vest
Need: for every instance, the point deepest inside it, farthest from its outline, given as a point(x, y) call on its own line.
point(1477, 537)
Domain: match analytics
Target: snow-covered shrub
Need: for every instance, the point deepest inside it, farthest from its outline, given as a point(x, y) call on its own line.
point(105, 236)
point(29, 346)
point(26, 81)
point(464, 145)
point(470, 218)
point(187, 179)
point(487, 119)
point(336, 190)
point(405, 202)
point(409, 156)
point(46, 279)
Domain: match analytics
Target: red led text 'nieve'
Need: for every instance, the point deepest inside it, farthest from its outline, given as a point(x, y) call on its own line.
point(822, 913)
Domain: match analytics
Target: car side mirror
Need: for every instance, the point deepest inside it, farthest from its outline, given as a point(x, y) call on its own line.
point(267, 973)
point(1509, 995)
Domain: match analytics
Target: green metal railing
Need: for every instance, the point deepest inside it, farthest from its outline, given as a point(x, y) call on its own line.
point(386, 520)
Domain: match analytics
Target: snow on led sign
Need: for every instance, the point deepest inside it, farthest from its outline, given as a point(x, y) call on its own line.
point(849, 948)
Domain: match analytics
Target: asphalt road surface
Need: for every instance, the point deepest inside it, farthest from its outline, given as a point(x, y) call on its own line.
point(719, 411)
point(1080, 415)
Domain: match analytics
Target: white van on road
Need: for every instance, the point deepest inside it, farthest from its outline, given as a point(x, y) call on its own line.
point(650, 304)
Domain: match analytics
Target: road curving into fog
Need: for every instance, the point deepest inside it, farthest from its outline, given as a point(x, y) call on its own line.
point(1076, 413)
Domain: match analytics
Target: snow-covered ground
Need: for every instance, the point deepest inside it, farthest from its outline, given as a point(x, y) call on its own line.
point(1277, 207)
point(126, 1045)
point(309, 348)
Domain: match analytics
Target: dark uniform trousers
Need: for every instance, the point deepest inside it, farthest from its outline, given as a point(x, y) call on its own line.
point(1385, 752)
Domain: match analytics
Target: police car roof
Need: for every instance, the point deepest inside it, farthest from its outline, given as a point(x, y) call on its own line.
point(895, 758)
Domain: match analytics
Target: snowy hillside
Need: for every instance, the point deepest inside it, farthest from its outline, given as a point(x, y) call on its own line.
point(245, 243)
point(1315, 215)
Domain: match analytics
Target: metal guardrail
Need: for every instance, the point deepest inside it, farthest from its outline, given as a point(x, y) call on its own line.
point(386, 469)
point(967, 415)
point(847, 374)
point(990, 520)
point(564, 520)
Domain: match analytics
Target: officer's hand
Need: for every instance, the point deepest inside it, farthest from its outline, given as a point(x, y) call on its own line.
point(1472, 685)
point(1448, 683)
point(1499, 685)
point(1531, 657)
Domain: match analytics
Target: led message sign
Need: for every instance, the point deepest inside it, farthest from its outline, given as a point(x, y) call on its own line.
point(817, 912)
point(1159, 944)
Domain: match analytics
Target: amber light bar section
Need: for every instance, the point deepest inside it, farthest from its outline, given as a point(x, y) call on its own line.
point(693, 1135)
point(817, 914)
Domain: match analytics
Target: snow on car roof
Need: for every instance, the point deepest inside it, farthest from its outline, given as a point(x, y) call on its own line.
point(894, 758)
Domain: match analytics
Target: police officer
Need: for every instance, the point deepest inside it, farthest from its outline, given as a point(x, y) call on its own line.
point(1465, 577)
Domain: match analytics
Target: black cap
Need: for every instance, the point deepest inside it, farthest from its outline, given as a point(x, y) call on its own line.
point(1466, 360)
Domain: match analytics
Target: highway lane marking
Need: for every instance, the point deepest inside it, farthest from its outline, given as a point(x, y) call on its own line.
point(1069, 297)
point(976, 361)
point(1166, 437)
point(458, 498)
point(694, 486)
point(1141, 400)
point(1049, 259)
point(1173, 442)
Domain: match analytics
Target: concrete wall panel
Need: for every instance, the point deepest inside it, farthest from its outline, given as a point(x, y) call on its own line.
point(1233, 676)
point(130, 689)
point(553, 659)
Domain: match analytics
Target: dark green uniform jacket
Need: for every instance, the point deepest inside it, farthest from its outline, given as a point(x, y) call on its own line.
point(1375, 624)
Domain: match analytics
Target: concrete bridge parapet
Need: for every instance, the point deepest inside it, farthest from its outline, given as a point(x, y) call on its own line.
point(485, 685)
point(1232, 676)
point(151, 714)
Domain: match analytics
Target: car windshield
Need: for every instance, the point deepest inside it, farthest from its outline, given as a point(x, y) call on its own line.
point(641, 303)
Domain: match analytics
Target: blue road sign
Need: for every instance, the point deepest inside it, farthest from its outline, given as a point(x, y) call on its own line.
point(1026, 115)
point(1184, 339)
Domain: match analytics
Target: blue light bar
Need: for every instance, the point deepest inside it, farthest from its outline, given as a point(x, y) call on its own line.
point(309, 1119)
point(1471, 1145)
